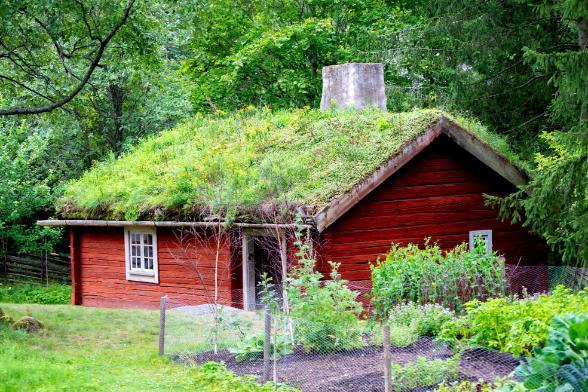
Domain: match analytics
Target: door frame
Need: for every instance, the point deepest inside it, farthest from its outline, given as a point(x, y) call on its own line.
point(248, 261)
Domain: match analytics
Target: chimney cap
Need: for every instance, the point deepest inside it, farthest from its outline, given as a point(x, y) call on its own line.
point(353, 85)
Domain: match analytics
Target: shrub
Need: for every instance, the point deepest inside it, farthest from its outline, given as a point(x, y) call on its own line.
point(428, 275)
point(326, 313)
point(514, 325)
point(424, 372)
point(563, 364)
point(427, 320)
point(403, 335)
point(35, 293)
point(252, 348)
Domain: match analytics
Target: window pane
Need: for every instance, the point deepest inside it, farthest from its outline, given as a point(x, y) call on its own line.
point(149, 263)
point(148, 238)
point(135, 238)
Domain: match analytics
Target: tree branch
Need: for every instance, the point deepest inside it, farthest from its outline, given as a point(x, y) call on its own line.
point(98, 56)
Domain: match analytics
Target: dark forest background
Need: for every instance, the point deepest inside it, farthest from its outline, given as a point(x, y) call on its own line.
point(81, 81)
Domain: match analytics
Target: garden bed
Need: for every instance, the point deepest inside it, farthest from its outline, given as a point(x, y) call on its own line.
point(360, 369)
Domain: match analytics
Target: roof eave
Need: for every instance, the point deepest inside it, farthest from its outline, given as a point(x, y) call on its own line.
point(329, 214)
point(116, 223)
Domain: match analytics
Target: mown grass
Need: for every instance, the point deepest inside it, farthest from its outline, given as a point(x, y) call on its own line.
point(94, 349)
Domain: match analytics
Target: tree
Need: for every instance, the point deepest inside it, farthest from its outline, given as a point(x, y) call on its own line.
point(555, 202)
point(76, 34)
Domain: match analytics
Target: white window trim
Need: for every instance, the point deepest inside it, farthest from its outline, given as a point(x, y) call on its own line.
point(487, 234)
point(137, 274)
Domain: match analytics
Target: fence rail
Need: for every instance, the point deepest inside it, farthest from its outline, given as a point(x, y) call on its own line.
point(35, 268)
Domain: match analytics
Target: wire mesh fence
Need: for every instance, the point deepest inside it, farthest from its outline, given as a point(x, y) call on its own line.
point(272, 344)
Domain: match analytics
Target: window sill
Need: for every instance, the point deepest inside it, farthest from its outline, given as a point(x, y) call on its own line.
point(142, 277)
point(141, 273)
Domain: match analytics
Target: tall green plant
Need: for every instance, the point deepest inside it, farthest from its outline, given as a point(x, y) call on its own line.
point(325, 313)
point(429, 275)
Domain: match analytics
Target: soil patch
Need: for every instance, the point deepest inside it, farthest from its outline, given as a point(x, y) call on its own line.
point(360, 369)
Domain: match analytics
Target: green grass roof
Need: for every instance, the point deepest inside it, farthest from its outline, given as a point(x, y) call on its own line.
point(245, 162)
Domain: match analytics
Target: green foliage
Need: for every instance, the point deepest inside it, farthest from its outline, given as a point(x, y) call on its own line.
point(271, 53)
point(427, 320)
point(135, 91)
point(214, 376)
point(299, 156)
point(25, 190)
point(35, 293)
point(555, 203)
point(562, 365)
point(325, 313)
point(252, 348)
point(514, 325)
point(501, 384)
point(403, 335)
point(428, 275)
point(424, 372)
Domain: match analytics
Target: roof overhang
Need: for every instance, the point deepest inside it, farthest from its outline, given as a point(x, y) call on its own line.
point(116, 223)
point(466, 140)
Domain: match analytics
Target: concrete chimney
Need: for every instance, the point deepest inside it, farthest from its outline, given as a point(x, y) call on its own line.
point(353, 85)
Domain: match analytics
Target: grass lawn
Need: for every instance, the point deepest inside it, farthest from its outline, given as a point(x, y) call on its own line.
point(94, 349)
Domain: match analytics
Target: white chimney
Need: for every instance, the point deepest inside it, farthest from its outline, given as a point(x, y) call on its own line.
point(353, 85)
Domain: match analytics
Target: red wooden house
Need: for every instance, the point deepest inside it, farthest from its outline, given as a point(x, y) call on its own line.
point(431, 183)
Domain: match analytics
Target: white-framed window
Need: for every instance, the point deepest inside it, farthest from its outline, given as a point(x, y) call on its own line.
point(486, 235)
point(141, 254)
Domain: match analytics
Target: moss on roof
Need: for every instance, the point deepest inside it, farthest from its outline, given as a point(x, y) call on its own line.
point(245, 160)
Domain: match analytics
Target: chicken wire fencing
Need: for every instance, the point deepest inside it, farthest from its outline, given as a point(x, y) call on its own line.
point(273, 345)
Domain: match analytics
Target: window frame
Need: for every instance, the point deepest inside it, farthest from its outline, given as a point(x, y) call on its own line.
point(487, 234)
point(141, 274)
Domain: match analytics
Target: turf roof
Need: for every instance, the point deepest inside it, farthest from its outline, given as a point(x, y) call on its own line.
point(245, 161)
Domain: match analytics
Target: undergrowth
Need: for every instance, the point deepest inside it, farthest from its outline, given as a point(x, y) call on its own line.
point(32, 293)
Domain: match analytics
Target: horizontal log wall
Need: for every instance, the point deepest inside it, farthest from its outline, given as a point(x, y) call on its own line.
point(439, 194)
point(186, 270)
point(35, 268)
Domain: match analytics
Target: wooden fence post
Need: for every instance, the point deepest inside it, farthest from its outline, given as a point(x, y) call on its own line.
point(387, 359)
point(266, 344)
point(162, 309)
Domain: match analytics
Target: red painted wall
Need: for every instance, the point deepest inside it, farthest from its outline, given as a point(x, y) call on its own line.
point(439, 194)
point(186, 270)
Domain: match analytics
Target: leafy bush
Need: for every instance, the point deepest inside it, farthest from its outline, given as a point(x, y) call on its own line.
point(514, 325)
point(424, 372)
point(252, 348)
point(35, 293)
point(403, 335)
point(563, 364)
point(427, 320)
point(214, 376)
point(429, 275)
point(326, 313)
